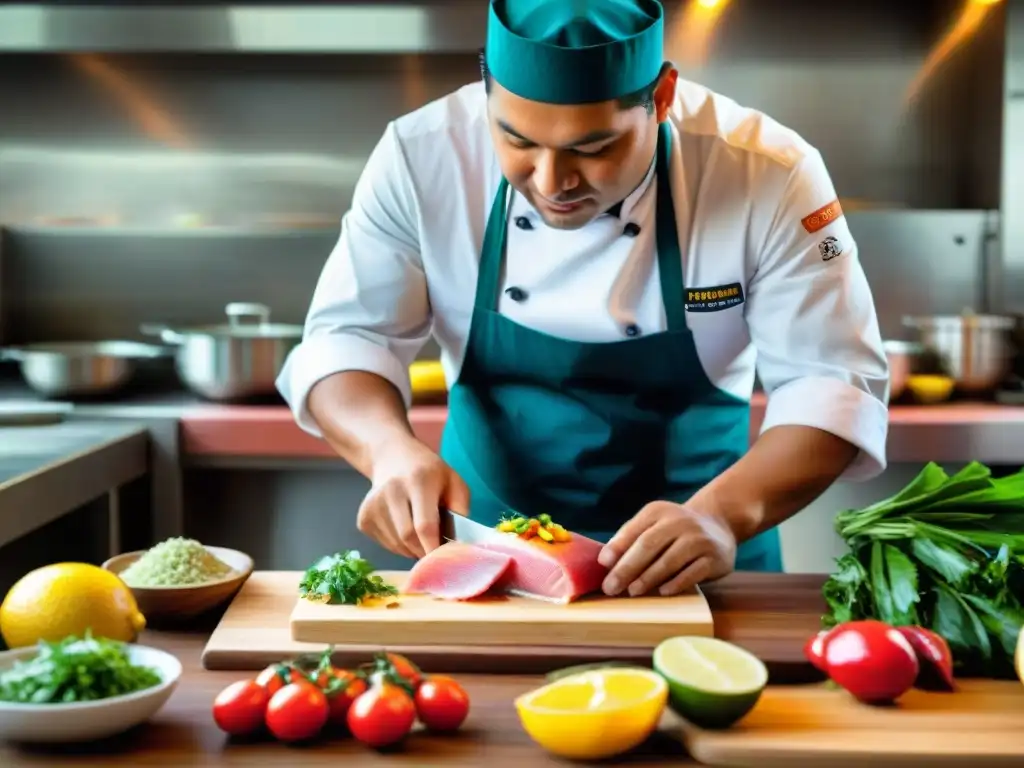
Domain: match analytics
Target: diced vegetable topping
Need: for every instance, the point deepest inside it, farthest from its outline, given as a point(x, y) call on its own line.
point(541, 527)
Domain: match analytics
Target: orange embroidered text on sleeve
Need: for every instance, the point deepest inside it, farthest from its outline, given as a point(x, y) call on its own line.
point(822, 217)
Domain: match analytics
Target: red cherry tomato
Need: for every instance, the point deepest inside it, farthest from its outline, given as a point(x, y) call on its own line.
point(871, 660)
point(405, 669)
point(342, 694)
point(934, 657)
point(441, 703)
point(240, 708)
point(382, 716)
point(297, 712)
point(276, 676)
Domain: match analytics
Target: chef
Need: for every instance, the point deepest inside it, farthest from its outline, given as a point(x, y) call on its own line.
point(605, 254)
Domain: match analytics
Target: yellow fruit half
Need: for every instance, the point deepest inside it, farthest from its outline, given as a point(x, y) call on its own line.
point(594, 715)
point(63, 599)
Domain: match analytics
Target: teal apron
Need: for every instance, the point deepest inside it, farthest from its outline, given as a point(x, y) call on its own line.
point(591, 432)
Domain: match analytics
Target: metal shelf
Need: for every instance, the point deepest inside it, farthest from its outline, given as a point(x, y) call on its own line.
point(447, 26)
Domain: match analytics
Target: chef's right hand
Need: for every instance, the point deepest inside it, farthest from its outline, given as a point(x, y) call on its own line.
point(410, 485)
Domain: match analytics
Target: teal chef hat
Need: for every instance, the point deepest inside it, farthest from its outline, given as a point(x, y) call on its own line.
point(575, 51)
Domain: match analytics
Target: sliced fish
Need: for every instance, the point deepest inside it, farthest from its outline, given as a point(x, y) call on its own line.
point(558, 573)
point(456, 571)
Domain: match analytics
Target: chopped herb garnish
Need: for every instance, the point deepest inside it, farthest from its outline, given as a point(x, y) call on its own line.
point(344, 578)
point(75, 669)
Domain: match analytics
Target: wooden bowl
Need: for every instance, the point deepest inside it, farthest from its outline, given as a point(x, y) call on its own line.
point(164, 604)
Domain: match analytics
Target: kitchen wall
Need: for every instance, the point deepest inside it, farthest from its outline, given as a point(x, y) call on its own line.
point(1012, 236)
point(144, 186)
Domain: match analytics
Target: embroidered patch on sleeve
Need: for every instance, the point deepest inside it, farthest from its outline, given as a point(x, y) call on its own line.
point(829, 248)
point(822, 217)
point(714, 299)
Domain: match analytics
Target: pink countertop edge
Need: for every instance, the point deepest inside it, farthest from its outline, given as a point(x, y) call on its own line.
point(262, 431)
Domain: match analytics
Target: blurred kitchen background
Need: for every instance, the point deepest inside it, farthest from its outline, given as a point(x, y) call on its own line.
point(160, 161)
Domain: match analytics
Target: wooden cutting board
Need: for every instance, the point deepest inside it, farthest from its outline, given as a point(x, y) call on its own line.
point(596, 621)
point(255, 632)
point(810, 726)
point(771, 615)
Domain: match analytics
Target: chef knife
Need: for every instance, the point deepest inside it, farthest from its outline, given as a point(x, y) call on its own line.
point(456, 527)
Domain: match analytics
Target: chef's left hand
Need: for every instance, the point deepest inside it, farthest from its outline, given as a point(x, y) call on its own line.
point(668, 548)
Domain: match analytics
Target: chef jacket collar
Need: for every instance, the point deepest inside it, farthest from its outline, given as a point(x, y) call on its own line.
point(623, 210)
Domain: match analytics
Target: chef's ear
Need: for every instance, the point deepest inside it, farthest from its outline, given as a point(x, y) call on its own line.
point(665, 91)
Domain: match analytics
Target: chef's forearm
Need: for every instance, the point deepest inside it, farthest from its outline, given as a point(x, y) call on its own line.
point(359, 414)
point(786, 469)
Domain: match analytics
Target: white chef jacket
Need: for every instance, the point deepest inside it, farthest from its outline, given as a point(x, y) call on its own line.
point(770, 286)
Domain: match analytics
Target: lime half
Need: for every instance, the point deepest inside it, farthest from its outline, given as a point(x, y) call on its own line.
point(711, 683)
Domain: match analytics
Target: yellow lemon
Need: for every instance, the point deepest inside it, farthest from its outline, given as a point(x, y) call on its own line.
point(712, 683)
point(1018, 657)
point(596, 714)
point(64, 599)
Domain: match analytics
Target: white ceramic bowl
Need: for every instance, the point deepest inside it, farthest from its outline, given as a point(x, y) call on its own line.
point(88, 720)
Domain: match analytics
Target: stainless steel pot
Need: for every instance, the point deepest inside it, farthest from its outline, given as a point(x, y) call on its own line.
point(902, 357)
point(976, 350)
point(81, 368)
point(234, 361)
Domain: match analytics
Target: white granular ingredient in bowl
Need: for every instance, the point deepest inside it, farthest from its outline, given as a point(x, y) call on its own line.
point(176, 562)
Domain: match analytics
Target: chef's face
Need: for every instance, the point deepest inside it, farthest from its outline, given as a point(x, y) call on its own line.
point(575, 162)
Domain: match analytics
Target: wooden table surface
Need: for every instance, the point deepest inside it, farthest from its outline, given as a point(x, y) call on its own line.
point(752, 609)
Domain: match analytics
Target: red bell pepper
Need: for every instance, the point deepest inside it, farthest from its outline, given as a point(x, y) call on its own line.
point(870, 659)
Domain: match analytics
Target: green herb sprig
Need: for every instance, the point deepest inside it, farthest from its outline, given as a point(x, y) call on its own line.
point(75, 669)
point(946, 552)
point(344, 578)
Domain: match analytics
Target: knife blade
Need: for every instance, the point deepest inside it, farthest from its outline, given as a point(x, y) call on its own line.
point(456, 527)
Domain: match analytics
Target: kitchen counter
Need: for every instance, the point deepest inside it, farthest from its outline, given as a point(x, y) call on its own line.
point(954, 432)
point(47, 471)
point(751, 609)
point(212, 432)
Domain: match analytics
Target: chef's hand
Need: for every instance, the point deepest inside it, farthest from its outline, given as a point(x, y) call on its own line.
point(669, 548)
point(410, 483)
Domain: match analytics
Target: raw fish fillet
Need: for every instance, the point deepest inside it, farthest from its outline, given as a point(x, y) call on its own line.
point(557, 573)
point(457, 571)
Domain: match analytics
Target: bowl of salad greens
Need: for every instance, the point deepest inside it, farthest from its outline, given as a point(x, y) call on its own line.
point(81, 689)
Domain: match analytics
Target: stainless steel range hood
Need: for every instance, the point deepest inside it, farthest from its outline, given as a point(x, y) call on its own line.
point(443, 26)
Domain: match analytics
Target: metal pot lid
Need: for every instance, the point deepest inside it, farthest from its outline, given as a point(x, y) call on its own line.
point(245, 321)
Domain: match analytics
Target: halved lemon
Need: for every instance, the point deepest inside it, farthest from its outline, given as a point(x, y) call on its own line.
point(712, 683)
point(594, 715)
